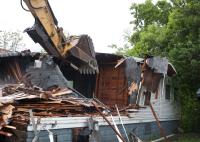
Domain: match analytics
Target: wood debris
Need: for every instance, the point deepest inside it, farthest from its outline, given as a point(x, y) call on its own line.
point(17, 100)
point(5, 115)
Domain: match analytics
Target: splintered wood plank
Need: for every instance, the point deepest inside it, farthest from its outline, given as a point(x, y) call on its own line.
point(64, 92)
point(5, 134)
point(10, 127)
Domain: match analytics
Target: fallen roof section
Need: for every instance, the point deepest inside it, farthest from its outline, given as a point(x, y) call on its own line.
point(17, 100)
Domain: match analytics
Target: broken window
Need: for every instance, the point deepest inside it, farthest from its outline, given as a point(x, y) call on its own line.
point(168, 92)
point(175, 92)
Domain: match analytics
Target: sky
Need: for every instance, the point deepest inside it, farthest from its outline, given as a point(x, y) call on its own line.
point(105, 21)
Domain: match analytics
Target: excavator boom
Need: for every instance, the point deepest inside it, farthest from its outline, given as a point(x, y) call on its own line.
point(77, 50)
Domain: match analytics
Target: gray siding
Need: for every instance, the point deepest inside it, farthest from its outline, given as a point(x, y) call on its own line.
point(145, 131)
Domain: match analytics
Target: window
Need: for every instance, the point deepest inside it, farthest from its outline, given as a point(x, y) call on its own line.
point(168, 92)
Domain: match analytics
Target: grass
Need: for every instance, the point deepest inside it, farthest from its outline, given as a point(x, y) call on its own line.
point(187, 138)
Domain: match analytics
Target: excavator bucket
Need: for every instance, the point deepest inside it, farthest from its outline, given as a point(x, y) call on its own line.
point(79, 52)
point(81, 56)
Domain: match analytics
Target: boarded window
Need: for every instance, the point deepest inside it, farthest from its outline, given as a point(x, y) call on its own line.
point(168, 92)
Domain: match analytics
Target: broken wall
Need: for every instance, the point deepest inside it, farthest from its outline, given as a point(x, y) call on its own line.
point(9, 65)
point(22, 68)
point(83, 83)
point(46, 75)
point(111, 84)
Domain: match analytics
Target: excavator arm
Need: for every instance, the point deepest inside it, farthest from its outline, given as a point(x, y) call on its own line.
point(78, 50)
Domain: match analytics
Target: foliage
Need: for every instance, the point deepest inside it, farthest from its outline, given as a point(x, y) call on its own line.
point(188, 138)
point(120, 50)
point(172, 29)
point(10, 40)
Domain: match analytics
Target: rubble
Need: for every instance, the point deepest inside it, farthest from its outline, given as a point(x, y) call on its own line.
point(17, 100)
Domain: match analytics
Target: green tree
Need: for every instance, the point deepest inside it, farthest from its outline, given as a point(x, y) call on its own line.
point(172, 29)
point(10, 40)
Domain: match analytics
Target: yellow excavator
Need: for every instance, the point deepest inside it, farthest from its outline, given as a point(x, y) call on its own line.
point(78, 51)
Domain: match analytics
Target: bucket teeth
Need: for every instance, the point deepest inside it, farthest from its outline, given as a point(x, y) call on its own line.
point(87, 70)
point(84, 52)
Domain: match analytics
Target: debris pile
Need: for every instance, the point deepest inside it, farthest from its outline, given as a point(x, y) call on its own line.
point(17, 100)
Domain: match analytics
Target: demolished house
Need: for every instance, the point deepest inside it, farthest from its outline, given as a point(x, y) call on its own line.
point(47, 101)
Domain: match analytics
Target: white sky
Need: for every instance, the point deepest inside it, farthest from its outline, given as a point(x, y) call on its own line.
point(105, 21)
